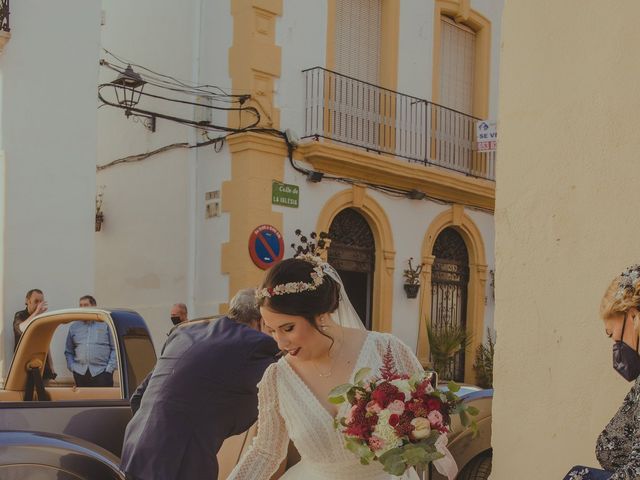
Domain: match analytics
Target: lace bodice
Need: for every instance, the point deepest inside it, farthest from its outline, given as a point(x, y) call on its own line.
point(288, 409)
point(618, 446)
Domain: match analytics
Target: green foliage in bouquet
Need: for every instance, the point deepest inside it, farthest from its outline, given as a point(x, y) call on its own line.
point(444, 343)
point(483, 364)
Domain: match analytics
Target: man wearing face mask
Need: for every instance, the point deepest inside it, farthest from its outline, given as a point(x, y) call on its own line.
point(179, 313)
point(202, 390)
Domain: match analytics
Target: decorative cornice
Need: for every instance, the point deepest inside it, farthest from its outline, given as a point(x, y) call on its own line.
point(390, 171)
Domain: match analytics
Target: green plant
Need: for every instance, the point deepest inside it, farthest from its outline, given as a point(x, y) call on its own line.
point(444, 343)
point(483, 364)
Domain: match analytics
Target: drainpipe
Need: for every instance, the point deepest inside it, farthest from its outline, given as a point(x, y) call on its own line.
point(192, 181)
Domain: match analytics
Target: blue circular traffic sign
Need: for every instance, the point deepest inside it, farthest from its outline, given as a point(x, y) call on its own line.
point(266, 246)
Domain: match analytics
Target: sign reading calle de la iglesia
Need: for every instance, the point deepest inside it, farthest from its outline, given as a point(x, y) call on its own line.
point(285, 194)
point(486, 136)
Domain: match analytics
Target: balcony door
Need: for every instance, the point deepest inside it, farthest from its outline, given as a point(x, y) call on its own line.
point(355, 106)
point(352, 253)
point(455, 133)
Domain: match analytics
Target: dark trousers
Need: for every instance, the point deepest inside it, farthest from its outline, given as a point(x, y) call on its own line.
point(580, 472)
point(104, 379)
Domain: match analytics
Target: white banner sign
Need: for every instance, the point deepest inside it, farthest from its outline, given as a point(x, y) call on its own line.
point(486, 136)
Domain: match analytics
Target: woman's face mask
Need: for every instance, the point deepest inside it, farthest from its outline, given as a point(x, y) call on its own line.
point(626, 360)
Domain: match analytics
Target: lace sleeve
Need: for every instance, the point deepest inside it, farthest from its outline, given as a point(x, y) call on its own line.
point(269, 446)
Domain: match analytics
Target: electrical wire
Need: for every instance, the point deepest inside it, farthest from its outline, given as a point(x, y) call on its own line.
point(175, 85)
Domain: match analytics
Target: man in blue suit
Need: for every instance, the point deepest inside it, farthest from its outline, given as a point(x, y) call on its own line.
point(201, 391)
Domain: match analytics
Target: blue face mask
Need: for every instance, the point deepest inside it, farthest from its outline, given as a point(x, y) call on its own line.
point(626, 360)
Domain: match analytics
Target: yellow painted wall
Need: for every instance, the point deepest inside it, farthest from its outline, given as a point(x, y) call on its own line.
point(566, 223)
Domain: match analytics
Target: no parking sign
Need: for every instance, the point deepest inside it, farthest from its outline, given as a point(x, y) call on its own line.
point(266, 246)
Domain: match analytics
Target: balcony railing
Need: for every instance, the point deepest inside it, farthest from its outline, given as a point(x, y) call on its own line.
point(4, 16)
point(358, 113)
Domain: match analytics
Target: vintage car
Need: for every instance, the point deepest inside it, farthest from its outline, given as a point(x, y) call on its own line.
point(56, 430)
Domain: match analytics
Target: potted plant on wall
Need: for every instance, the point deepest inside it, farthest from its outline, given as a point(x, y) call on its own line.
point(99, 212)
point(412, 279)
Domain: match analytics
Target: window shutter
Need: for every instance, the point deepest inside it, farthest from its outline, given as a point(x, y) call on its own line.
point(357, 43)
point(457, 65)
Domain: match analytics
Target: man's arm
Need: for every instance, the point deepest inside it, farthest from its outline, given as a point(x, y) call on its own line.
point(18, 318)
point(136, 398)
point(69, 350)
point(111, 364)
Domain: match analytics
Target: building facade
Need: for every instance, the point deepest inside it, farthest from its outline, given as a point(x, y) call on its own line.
point(48, 144)
point(381, 98)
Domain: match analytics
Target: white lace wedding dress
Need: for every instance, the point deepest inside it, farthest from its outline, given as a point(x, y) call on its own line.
point(288, 409)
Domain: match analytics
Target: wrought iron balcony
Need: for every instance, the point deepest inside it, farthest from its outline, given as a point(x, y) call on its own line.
point(4, 16)
point(350, 111)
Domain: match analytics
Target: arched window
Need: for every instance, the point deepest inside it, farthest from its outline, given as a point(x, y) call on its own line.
point(449, 279)
point(352, 253)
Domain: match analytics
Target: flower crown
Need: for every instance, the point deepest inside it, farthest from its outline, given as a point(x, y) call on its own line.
point(629, 280)
point(317, 278)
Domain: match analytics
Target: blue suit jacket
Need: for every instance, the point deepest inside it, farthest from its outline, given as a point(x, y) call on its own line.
point(201, 391)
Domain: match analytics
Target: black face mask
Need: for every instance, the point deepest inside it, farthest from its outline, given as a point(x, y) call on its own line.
point(175, 320)
point(626, 360)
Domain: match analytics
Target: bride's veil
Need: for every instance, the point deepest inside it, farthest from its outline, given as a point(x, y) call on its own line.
point(345, 315)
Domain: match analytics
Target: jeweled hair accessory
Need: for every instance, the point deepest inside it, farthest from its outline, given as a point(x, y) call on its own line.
point(629, 280)
point(317, 278)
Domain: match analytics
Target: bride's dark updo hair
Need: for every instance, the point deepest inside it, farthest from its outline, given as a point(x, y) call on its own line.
point(308, 304)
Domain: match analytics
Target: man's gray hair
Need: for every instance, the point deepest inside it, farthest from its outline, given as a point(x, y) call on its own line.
point(182, 307)
point(244, 308)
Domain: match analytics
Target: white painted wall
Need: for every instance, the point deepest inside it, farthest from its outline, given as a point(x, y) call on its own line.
point(156, 247)
point(49, 136)
point(301, 32)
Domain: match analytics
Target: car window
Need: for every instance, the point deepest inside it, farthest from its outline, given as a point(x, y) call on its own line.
point(35, 472)
point(83, 363)
point(141, 355)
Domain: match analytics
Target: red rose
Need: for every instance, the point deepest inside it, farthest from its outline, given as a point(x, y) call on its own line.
point(394, 419)
point(385, 393)
point(434, 404)
point(360, 431)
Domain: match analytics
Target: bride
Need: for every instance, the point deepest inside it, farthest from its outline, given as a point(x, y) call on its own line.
point(306, 310)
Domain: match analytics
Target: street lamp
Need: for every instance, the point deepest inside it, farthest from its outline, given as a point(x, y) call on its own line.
point(128, 87)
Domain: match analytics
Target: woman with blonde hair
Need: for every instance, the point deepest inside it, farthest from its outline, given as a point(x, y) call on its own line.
point(618, 446)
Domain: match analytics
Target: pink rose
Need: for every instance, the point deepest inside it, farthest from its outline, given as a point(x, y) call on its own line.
point(435, 418)
point(373, 407)
point(351, 413)
point(376, 443)
point(397, 407)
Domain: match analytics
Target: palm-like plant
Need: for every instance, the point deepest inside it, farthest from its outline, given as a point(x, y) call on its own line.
point(484, 362)
point(444, 343)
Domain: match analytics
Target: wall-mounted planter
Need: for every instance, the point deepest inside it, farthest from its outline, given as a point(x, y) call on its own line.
point(411, 289)
point(99, 220)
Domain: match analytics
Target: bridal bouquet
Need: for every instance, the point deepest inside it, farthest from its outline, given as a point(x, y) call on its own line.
point(400, 421)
